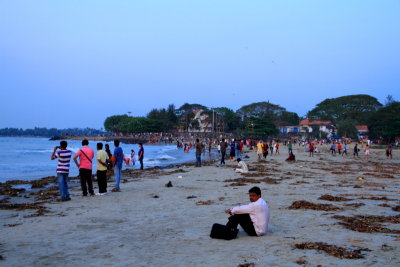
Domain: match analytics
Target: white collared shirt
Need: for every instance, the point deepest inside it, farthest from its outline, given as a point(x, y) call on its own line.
point(259, 214)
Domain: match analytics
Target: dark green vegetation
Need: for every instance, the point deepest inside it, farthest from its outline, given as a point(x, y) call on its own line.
point(261, 119)
point(256, 119)
point(44, 132)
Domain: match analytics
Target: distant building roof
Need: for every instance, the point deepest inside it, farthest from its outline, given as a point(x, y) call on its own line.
point(362, 127)
point(314, 122)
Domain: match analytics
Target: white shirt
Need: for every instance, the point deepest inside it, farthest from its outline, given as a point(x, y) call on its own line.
point(259, 214)
point(242, 165)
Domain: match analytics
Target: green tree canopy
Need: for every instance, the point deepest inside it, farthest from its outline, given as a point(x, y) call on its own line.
point(385, 123)
point(126, 124)
point(354, 107)
point(259, 128)
point(347, 128)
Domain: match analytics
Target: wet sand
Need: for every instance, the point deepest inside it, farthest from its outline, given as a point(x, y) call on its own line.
point(314, 203)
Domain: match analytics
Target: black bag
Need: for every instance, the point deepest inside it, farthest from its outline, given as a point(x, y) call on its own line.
point(220, 231)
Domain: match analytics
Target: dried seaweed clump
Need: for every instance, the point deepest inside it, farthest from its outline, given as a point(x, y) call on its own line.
point(368, 223)
point(339, 252)
point(208, 202)
point(332, 198)
point(303, 204)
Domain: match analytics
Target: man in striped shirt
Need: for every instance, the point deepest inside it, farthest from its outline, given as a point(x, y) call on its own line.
point(64, 158)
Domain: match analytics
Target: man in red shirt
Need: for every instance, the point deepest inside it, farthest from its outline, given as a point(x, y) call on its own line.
point(85, 155)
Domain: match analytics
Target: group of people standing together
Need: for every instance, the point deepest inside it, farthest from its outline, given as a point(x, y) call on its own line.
point(106, 161)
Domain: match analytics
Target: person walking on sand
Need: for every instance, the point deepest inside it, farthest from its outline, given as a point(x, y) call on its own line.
point(199, 149)
point(366, 152)
point(311, 149)
point(232, 150)
point(271, 148)
point(223, 145)
point(241, 167)
point(265, 150)
point(339, 148)
point(119, 159)
point(290, 147)
point(253, 217)
point(389, 152)
point(355, 151)
point(277, 148)
point(141, 155)
point(102, 165)
point(64, 157)
point(344, 149)
point(260, 149)
point(85, 155)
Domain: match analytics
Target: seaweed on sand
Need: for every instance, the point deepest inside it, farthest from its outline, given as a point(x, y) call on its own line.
point(339, 252)
point(368, 223)
point(332, 198)
point(303, 204)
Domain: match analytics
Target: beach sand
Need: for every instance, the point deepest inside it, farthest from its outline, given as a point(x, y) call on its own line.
point(149, 224)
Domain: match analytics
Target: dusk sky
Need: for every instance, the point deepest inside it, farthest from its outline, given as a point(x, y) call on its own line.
point(73, 63)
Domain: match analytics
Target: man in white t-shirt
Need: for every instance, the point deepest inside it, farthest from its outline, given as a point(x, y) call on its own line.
point(253, 217)
point(242, 166)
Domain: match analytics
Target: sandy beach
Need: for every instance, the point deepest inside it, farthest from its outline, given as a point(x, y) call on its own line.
point(149, 224)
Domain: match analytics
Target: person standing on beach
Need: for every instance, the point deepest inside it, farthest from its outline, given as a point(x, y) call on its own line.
point(119, 159)
point(277, 148)
point(290, 148)
point(141, 155)
point(311, 149)
point(133, 157)
point(102, 166)
point(85, 155)
point(232, 150)
point(223, 145)
point(366, 152)
point(265, 150)
point(344, 149)
point(253, 217)
point(64, 158)
point(260, 149)
point(199, 149)
point(355, 151)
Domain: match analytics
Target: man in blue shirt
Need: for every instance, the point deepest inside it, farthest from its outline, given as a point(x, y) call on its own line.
point(119, 158)
point(141, 155)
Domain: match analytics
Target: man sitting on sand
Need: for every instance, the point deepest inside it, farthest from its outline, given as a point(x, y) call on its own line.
point(253, 217)
point(242, 166)
point(291, 157)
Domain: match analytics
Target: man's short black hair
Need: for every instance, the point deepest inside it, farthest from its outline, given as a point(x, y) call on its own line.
point(256, 190)
point(197, 140)
point(116, 142)
point(141, 144)
point(85, 142)
point(99, 145)
point(239, 160)
point(63, 144)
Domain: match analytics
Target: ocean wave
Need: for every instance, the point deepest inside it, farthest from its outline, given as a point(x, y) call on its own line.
point(165, 157)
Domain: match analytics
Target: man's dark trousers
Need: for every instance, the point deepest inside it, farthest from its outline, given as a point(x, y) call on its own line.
point(85, 176)
point(244, 220)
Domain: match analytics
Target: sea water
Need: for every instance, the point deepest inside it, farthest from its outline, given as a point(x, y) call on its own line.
point(23, 158)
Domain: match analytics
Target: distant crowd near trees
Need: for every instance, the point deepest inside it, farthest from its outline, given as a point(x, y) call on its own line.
point(261, 119)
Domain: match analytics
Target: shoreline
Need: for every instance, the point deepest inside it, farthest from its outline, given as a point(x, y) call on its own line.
point(315, 199)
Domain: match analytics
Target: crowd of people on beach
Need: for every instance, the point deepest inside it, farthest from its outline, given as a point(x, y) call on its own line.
point(111, 163)
point(107, 163)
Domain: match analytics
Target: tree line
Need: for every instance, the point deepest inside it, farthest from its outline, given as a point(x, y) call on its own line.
point(45, 132)
point(261, 119)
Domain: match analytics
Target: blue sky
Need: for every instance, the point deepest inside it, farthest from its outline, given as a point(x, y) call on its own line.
point(73, 63)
